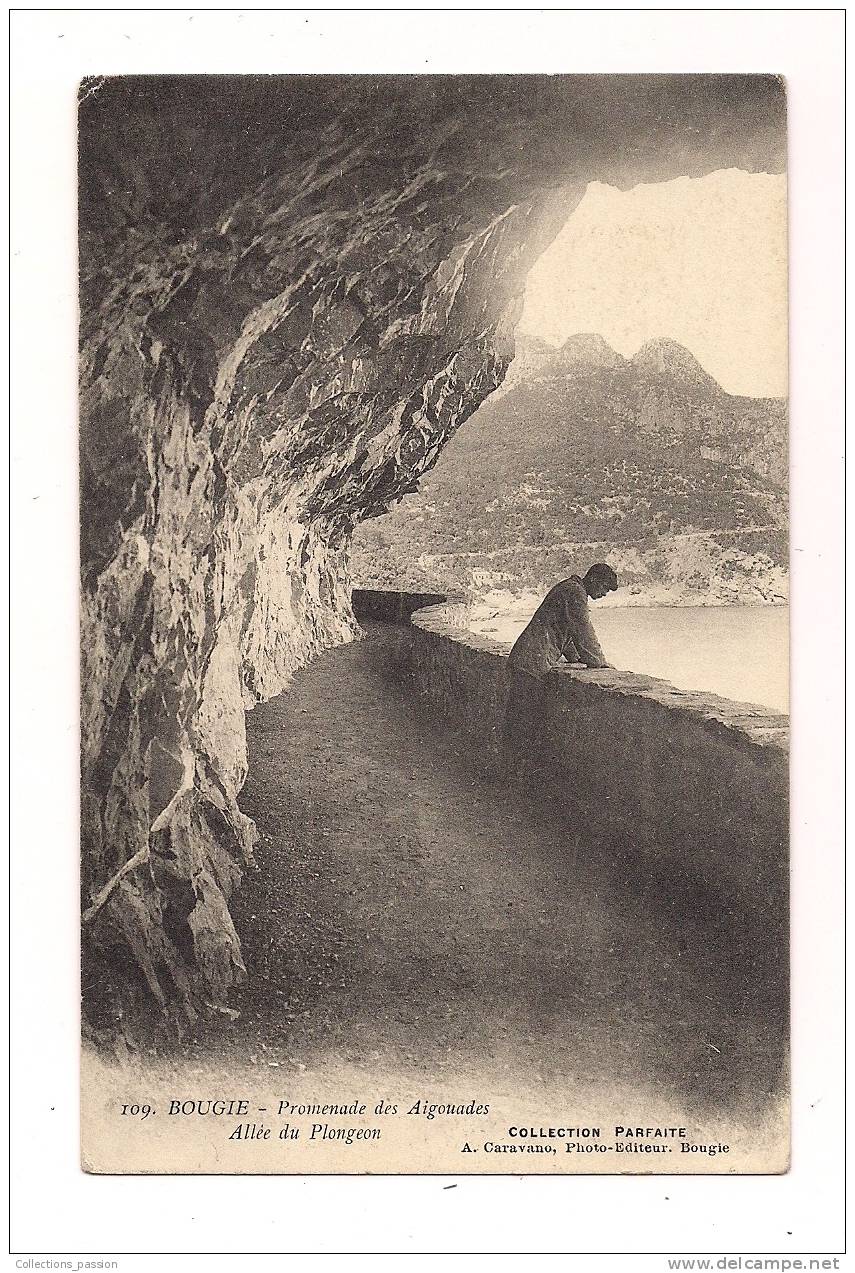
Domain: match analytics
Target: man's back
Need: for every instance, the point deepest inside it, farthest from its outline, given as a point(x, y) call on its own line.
point(560, 627)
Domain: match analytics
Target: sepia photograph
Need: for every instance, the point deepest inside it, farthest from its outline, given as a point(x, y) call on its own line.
point(434, 624)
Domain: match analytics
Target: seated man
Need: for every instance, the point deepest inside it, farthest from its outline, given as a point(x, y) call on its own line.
point(561, 626)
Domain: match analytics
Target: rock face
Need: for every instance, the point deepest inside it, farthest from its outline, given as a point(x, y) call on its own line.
point(293, 291)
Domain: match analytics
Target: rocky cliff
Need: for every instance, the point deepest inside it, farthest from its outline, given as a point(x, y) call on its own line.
point(293, 291)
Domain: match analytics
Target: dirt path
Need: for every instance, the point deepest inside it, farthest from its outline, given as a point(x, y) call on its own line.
point(407, 911)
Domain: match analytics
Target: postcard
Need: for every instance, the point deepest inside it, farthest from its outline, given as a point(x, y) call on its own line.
point(434, 624)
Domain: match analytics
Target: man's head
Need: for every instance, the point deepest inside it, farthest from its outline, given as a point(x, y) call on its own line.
point(599, 580)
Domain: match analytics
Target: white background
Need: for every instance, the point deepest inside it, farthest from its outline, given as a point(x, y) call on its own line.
point(57, 1209)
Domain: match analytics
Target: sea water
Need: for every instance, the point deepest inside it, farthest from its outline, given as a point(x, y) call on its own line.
point(739, 652)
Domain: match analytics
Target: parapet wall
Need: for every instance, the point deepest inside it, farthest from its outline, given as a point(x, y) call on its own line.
point(389, 606)
point(685, 782)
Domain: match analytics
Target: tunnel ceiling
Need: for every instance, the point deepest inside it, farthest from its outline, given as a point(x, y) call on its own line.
point(293, 291)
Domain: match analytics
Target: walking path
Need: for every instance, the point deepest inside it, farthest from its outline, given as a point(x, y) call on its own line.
point(409, 912)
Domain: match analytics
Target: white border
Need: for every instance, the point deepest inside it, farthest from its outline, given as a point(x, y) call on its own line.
point(56, 1208)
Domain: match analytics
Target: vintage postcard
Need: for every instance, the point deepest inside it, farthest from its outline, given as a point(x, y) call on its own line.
point(434, 588)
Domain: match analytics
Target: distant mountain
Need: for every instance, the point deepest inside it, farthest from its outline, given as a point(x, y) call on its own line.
point(535, 359)
point(583, 454)
point(582, 354)
point(666, 361)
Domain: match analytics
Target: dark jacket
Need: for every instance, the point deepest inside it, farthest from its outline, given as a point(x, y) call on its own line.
point(561, 626)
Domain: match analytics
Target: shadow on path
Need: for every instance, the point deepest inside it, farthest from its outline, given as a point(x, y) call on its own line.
point(408, 911)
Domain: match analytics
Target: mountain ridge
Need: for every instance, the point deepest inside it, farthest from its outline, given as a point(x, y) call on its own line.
point(647, 460)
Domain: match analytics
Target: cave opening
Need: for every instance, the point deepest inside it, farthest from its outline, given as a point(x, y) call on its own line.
point(642, 420)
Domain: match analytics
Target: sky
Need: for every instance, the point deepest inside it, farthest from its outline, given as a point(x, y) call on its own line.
point(702, 260)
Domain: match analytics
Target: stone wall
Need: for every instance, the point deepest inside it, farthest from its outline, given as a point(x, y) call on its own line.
point(681, 783)
point(390, 606)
